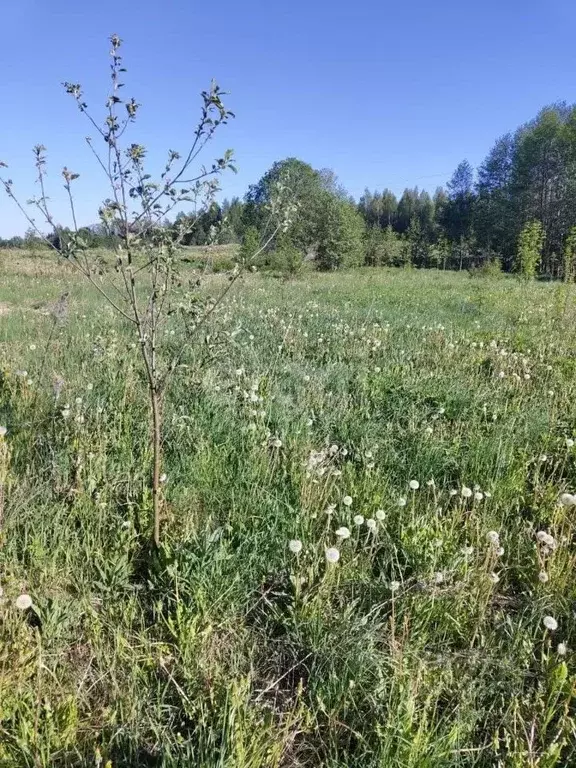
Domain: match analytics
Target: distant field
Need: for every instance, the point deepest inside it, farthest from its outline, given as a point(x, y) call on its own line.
point(438, 408)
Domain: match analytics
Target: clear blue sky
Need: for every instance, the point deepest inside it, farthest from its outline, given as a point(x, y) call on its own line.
point(385, 93)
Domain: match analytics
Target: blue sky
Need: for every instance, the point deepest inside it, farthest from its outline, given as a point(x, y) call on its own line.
point(385, 93)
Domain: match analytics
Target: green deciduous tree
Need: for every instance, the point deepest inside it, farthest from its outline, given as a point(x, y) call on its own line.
point(529, 253)
point(340, 236)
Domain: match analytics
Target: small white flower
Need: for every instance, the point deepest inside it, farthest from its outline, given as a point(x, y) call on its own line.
point(371, 524)
point(377, 369)
point(562, 649)
point(163, 477)
point(500, 551)
point(569, 442)
point(32, 347)
point(380, 515)
point(414, 485)
point(358, 519)
point(478, 495)
point(466, 492)
point(453, 491)
point(567, 500)
point(347, 501)
point(430, 483)
point(493, 537)
point(543, 577)
point(467, 551)
point(332, 555)
point(543, 458)
point(239, 371)
point(23, 602)
point(295, 545)
point(394, 585)
point(275, 442)
point(401, 502)
point(550, 623)
point(494, 578)
point(501, 375)
point(78, 401)
point(330, 509)
point(65, 413)
point(343, 532)
point(90, 387)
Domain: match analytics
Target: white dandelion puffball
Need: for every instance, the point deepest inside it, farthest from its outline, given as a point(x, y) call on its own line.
point(543, 577)
point(438, 577)
point(467, 551)
point(569, 442)
point(466, 492)
point(494, 578)
point(332, 555)
point(23, 602)
point(295, 545)
point(3, 431)
point(276, 442)
point(493, 537)
point(394, 585)
point(32, 347)
point(343, 532)
point(500, 551)
point(371, 524)
point(562, 649)
point(163, 477)
point(478, 495)
point(401, 502)
point(358, 519)
point(545, 538)
point(347, 501)
point(453, 492)
point(567, 500)
point(550, 623)
point(414, 485)
point(380, 515)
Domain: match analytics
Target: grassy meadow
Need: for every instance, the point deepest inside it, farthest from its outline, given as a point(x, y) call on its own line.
point(366, 562)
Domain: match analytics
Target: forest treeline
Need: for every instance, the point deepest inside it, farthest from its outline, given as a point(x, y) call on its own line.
point(523, 195)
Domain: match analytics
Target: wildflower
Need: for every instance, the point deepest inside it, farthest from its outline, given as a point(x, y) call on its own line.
point(567, 500)
point(295, 546)
point(32, 347)
point(65, 412)
point(78, 401)
point(343, 532)
point(569, 442)
point(401, 502)
point(478, 495)
point(430, 483)
point(493, 537)
point(438, 577)
point(347, 501)
point(466, 492)
point(543, 458)
point(358, 519)
point(546, 538)
point(371, 524)
point(453, 491)
point(414, 485)
point(90, 386)
point(275, 442)
point(500, 551)
point(23, 602)
point(467, 550)
point(380, 515)
point(3, 431)
point(550, 623)
point(239, 371)
point(501, 375)
point(543, 577)
point(377, 369)
point(494, 578)
point(332, 555)
point(394, 585)
point(330, 509)
point(562, 649)
point(163, 477)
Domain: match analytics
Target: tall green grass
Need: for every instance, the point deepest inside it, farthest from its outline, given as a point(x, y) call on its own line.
point(424, 645)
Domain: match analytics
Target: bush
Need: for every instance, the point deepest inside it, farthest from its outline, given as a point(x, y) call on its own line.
point(340, 241)
point(488, 268)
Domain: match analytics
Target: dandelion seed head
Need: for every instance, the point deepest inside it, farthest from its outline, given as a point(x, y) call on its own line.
point(550, 623)
point(493, 537)
point(332, 555)
point(562, 649)
point(380, 515)
point(343, 532)
point(467, 551)
point(23, 602)
point(466, 492)
point(358, 519)
point(494, 577)
point(414, 485)
point(543, 577)
point(567, 500)
point(371, 524)
point(347, 501)
point(3, 431)
point(478, 495)
point(569, 442)
point(295, 546)
point(394, 586)
point(401, 502)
